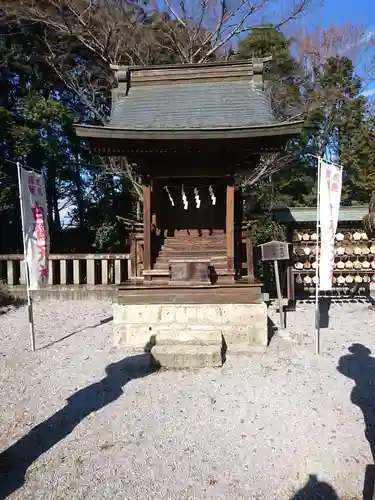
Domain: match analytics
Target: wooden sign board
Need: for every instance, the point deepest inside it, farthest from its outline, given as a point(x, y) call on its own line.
point(275, 250)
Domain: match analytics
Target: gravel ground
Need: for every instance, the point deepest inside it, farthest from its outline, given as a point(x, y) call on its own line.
point(78, 421)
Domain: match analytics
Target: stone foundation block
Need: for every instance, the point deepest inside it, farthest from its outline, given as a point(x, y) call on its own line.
point(244, 314)
point(141, 313)
point(139, 326)
point(137, 337)
point(186, 314)
point(210, 314)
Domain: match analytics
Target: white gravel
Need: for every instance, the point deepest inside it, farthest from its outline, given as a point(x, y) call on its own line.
point(255, 429)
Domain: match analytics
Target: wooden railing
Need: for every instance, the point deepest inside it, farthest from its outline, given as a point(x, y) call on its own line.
point(71, 269)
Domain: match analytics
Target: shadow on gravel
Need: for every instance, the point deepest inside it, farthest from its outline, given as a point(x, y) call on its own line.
point(7, 300)
point(315, 490)
point(271, 329)
point(324, 307)
point(15, 461)
point(360, 367)
point(101, 322)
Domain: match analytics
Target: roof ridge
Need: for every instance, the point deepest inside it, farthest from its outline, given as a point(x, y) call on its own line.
point(212, 64)
point(250, 69)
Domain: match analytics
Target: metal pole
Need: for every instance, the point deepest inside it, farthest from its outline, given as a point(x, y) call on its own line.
point(29, 298)
point(317, 274)
point(277, 279)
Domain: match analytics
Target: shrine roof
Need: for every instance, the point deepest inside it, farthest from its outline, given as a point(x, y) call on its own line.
point(206, 105)
point(213, 98)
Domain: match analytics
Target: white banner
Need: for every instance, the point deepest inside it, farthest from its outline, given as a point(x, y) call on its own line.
point(34, 226)
point(329, 207)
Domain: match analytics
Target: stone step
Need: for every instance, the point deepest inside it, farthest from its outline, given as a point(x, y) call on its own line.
point(165, 259)
point(196, 237)
point(199, 336)
point(194, 241)
point(156, 272)
point(203, 245)
point(194, 234)
point(194, 255)
point(187, 356)
point(164, 264)
point(214, 237)
point(191, 241)
point(213, 261)
point(188, 249)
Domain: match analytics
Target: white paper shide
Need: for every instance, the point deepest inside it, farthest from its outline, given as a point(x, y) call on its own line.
point(329, 207)
point(35, 228)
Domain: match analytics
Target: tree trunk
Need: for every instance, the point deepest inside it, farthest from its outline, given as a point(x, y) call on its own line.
point(57, 220)
point(50, 190)
point(78, 192)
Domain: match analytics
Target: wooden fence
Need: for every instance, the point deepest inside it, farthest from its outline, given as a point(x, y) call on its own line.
point(78, 275)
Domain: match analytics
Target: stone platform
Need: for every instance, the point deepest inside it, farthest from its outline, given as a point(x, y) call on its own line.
point(193, 324)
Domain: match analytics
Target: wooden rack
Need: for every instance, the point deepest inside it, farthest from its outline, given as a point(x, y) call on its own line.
point(303, 220)
point(347, 250)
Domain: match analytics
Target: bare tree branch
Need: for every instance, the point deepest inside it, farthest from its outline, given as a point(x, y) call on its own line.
point(122, 168)
point(82, 38)
point(269, 165)
point(354, 42)
point(222, 21)
point(174, 13)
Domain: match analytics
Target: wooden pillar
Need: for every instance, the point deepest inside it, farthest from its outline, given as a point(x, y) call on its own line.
point(11, 276)
point(63, 272)
point(104, 272)
point(51, 280)
point(22, 272)
point(129, 269)
point(230, 227)
point(117, 272)
point(249, 257)
point(76, 277)
point(133, 258)
point(90, 271)
point(147, 226)
point(290, 274)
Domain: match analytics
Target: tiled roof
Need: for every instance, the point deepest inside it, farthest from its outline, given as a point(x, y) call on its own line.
point(306, 214)
point(198, 105)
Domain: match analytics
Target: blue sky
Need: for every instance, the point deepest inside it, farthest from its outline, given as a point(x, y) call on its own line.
point(320, 13)
point(338, 13)
point(343, 11)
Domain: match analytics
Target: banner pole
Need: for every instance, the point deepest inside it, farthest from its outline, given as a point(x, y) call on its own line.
point(317, 273)
point(29, 298)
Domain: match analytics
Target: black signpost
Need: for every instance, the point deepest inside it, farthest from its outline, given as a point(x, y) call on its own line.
point(276, 250)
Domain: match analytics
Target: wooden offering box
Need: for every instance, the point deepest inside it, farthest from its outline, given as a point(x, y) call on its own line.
point(191, 271)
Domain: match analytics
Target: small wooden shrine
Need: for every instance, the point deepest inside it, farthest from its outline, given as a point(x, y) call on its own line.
point(189, 129)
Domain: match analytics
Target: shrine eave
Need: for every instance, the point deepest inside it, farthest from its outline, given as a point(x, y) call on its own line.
point(92, 133)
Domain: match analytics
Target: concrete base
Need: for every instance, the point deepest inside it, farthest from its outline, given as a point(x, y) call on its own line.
point(237, 326)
